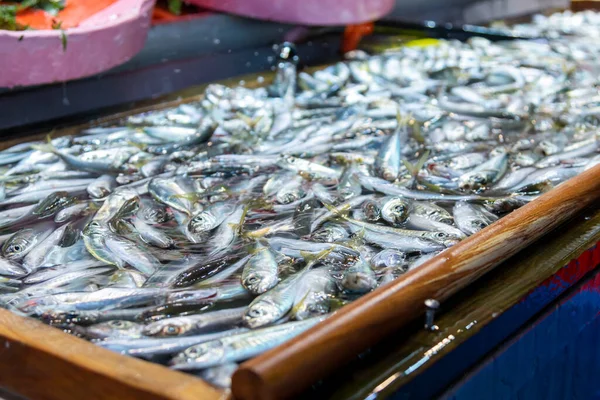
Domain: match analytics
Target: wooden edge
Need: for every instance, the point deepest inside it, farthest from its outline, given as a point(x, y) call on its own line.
point(42, 362)
point(583, 5)
point(291, 368)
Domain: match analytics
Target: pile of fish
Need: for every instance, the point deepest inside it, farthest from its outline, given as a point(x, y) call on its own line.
point(202, 235)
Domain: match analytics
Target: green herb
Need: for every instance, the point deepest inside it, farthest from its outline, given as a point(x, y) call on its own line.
point(8, 18)
point(175, 6)
point(8, 13)
point(63, 40)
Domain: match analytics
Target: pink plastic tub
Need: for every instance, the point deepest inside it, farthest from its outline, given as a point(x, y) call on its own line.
point(104, 40)
point(304, 12)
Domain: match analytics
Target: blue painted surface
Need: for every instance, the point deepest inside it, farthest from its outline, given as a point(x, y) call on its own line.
point(450, 368)
point(558, 357)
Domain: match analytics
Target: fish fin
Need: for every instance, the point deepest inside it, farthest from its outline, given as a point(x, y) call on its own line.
point(414, 169)
point(416, 131)
point(247, 120)
point(340, 212)
point(357, 239)
point(47, 147)
point(140, 146)
point(240, 225)
point(311, 259)
point(297, 306)
point(335, 304)
point(193, 196)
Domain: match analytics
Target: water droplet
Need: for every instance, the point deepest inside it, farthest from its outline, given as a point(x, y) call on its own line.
point(248, 64)
point(242, 83)
point(228, 50)
point(256, 54)
point(217, 41)
point(270, 58)
point(260, 79)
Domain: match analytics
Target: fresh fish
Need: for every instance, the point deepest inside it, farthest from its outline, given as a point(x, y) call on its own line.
point(196, 324)
point(471, 218)
point(25, 240)
point(150, 347)
point(275, 303)
point(239, 347)
point(102, 186)
point(261, 271)
point(116, 329)
point(359, 277)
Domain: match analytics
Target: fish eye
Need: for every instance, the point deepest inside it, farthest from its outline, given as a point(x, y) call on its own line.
point(255, 312)
point(171, 330)
point(399, 208)
point(192, 352)
point(252, 279)
point(440, 235)
point(16, 247)
point(118, 324)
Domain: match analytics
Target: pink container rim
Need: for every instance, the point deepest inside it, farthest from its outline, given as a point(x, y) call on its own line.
point(104, 40)
point(304, 12)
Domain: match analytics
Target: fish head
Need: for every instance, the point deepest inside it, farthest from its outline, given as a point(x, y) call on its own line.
point(257, 282)
point(288, 196)
point(313, 304)
point(203, 222)
point(53, 203)
point(261, 313)
point(153, 212)
point(359, 282)
point(388, 258)
point(17, 246)
point(200, 353)
point(473, 182)
point(371, 210)
point(330, 233)
point(395, 211)
point(114, 329)
point(167, 328)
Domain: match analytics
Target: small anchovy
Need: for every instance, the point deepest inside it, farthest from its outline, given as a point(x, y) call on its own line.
point(261, 271)
point(196, 324)
point(116, 329)
point(359, 277)
point(314, 295)
point(103, 299)
point(25, 240)
point(150, 347)
point(387, 163)
point(471, 218)
point(275, 303)
point(239, 347)
point(102, 186)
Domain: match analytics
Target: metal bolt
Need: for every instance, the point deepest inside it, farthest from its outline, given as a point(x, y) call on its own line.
point(431, 306)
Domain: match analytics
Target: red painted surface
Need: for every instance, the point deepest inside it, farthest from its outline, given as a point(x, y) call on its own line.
point(574, 271)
